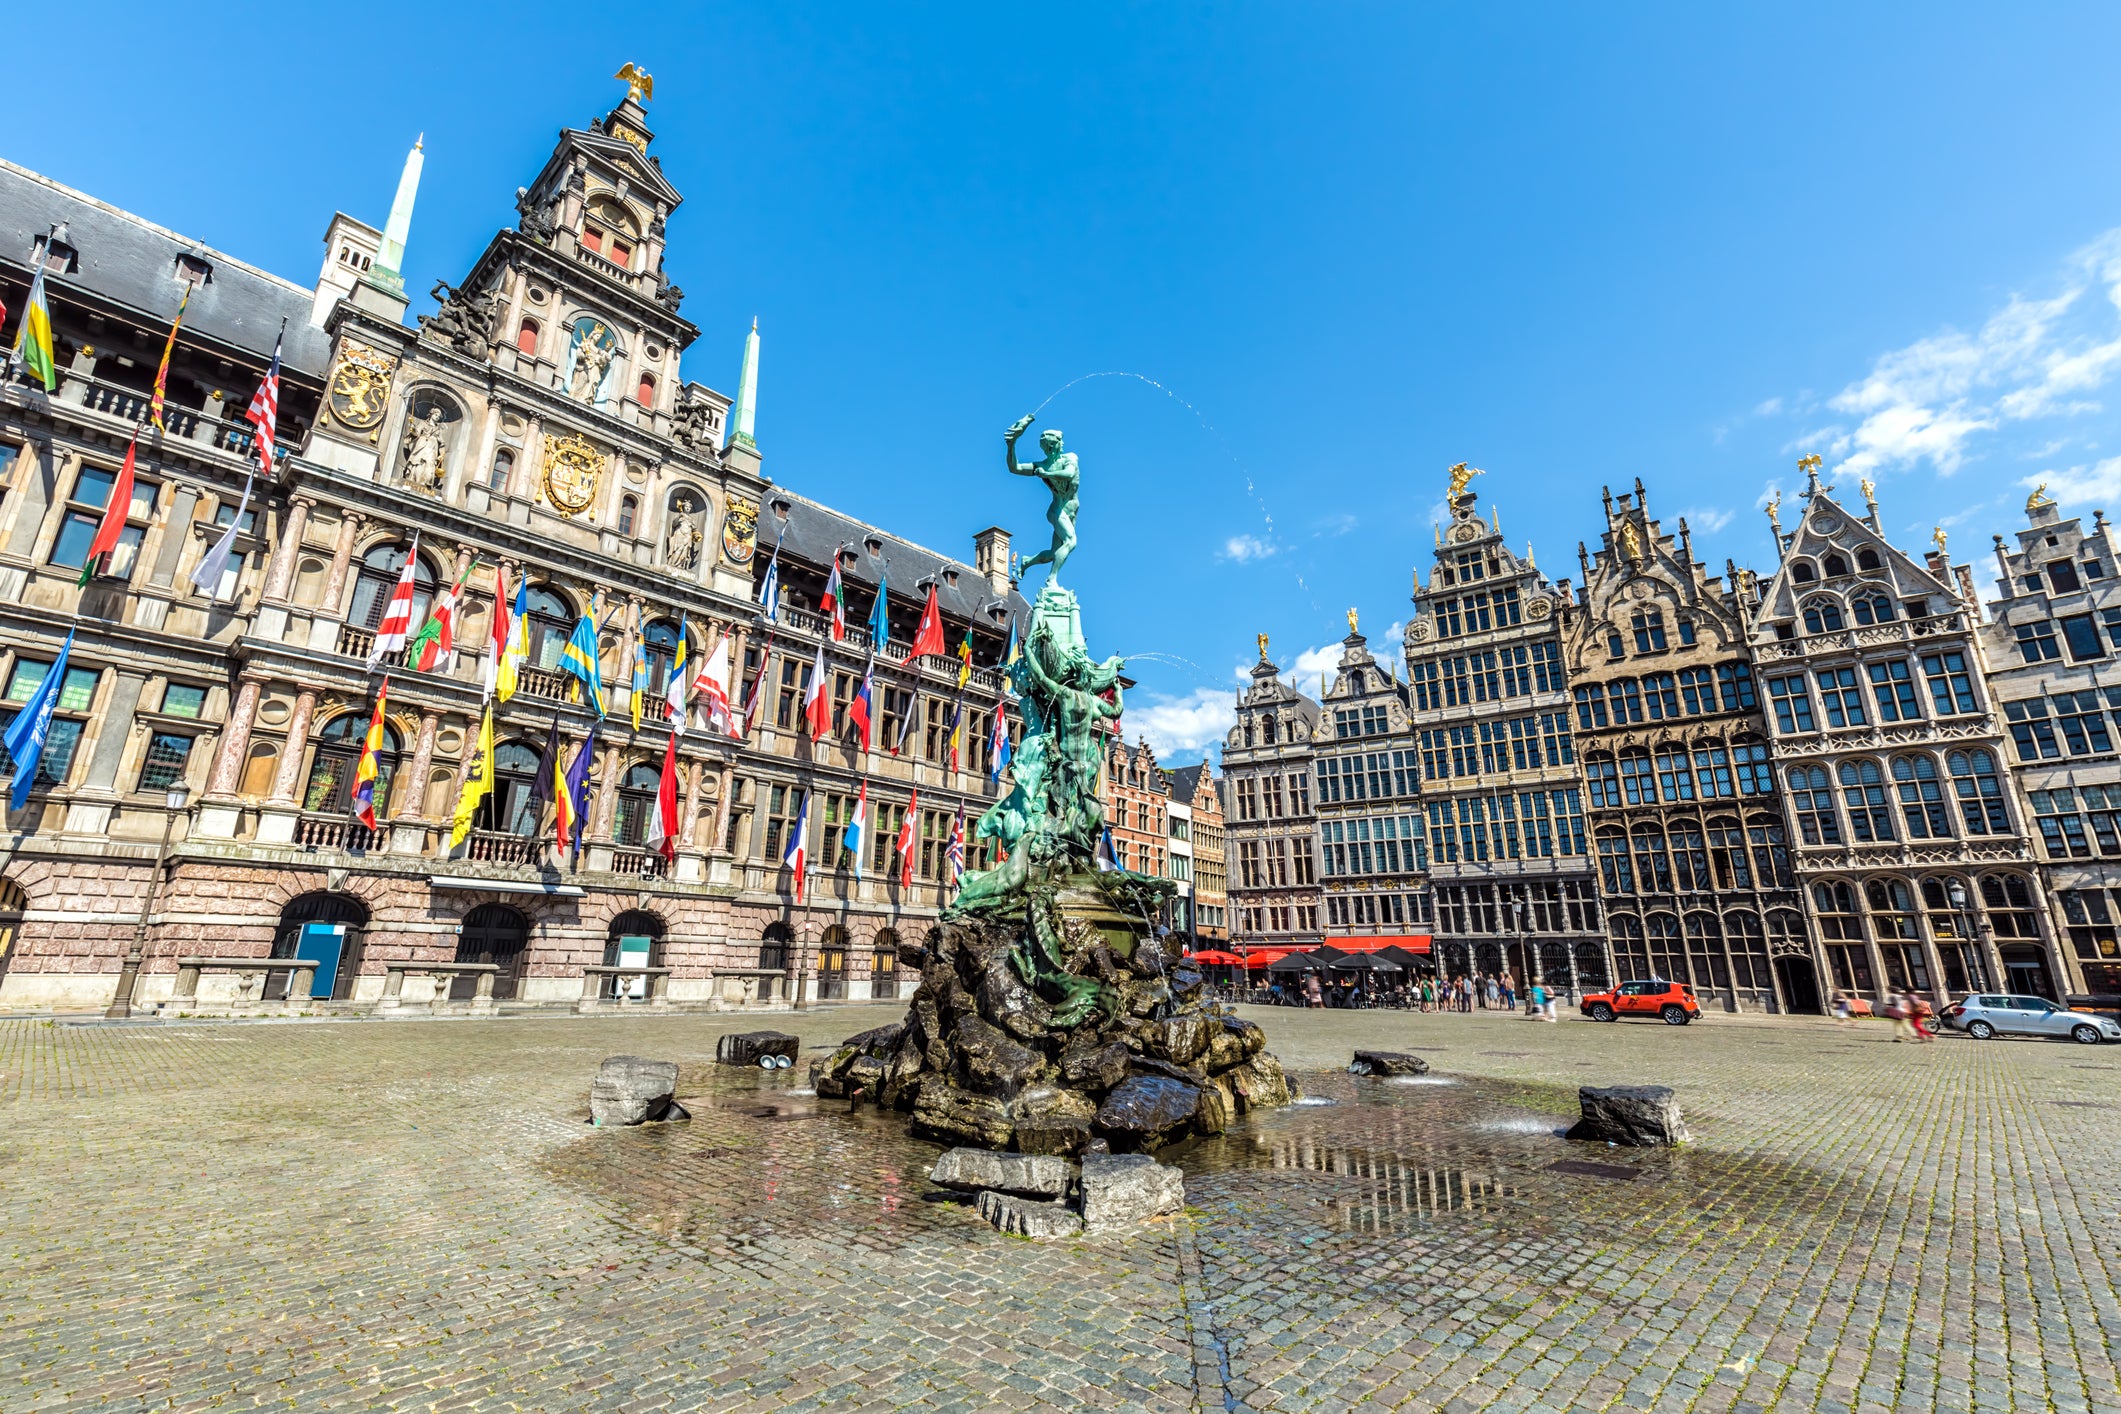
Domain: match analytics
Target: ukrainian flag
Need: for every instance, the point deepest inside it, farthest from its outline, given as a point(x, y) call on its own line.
point(582, 661)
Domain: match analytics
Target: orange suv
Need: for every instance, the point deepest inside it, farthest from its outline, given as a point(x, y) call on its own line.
point(1671, 1002)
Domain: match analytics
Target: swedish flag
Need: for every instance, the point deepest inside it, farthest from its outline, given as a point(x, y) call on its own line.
point(581, 660)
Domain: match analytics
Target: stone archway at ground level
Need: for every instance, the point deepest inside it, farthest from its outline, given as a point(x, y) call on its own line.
point(495, 933)
point(328, 929)
point(1800, 984)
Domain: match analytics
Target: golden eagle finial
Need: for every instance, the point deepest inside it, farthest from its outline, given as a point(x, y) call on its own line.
point(639, 82)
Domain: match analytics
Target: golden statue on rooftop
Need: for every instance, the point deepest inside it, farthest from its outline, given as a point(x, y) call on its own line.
point(1461, 477)
point(1352, 630)
point(2038, 499)
point(639, 82)
point(1937, 538)
point(1262, 648)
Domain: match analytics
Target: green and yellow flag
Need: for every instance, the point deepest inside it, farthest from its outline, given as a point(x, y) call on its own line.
point(477, 785)
point(33, 341)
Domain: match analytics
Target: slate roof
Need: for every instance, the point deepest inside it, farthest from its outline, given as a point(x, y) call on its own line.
point(815, 531)
point(131, 262)
point(1185, 780)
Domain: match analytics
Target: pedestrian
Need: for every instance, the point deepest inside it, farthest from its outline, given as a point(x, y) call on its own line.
point(1844, 1014)
point(1493, 993)
point(1918, 1016)
point(1509, 990)
point(1901, 1016)
point(1314, 995)
point(1538, 999)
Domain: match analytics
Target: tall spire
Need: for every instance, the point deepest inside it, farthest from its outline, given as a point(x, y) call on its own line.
point(747, 391)
point(390, 260)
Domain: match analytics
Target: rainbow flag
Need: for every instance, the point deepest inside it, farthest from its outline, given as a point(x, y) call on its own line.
point(364, 788)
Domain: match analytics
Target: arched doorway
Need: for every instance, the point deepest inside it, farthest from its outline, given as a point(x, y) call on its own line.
point(832, 964)
point(326, 929)
point(883, 965)
point(13, 904)
point(495, 933)
point(1800, 984)
point(776, 946)
point(635, 940)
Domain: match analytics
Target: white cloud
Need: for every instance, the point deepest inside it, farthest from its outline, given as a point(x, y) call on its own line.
point(2034, 358)
point(1183, 726)
point(1768, 408)
point(1246, 548)
point(1339, 524)
point(2101, 481)
point(1710, 519)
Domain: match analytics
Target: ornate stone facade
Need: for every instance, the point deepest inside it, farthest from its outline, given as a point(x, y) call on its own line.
point(595, 482)
point(1909, 844)
point(1508, 849)
point(1692, 849)
point(1271, 831)
point(2051, 643)
point(1366, 781)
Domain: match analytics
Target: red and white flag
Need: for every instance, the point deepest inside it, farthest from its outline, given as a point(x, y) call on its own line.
point(756, 698)
point(817, 703)
point(662, 832)
point(797, 855)
point(264, 411)
point(834, 602)
point(711, 690)
point(905, 840)
point(928, 638)
point(396, 627)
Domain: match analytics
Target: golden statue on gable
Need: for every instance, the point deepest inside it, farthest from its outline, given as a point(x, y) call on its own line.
point(2039, 499)
point(1352, 630)
point(640, 84)
point(1630, 543)
point(1461, 477)
point(1262, 648)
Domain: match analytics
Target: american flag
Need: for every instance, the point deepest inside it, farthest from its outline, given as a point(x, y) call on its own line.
point(265, 408)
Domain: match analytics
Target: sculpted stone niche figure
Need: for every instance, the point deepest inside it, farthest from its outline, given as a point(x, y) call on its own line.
point(424, 439)
point(1062, 477)
point(591, 358)
point(682, 549)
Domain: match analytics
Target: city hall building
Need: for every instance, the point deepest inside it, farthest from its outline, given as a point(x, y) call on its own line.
point(191, 811)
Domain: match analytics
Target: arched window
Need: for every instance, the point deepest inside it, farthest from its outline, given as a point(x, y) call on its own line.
point(645, 393)
point(527, 338)
point(1822, 616)
point(1979, 790)
point(1653, 867)
point(832, 962)
point(1921, 797)
point(637, 792)
point(1842, 932)
point(1812, 798)
point(1690, 857)
point(1891, 904)
point(629, 512)
point(1629, 952)
point(773, 946)
point(1667, 952)
point(1802, 571)
point(1771, 851)
point(1613, 866)
point(1704, 945)
point(1835, 566)
point(1675, 777)
point(513, 807)
point(635, 939)
point(504, 466)
point(1638, 777)
point(1748, 946)
point(1603, 775)
point(2009, 900)
point(331, 769)
point(1266, 727)
point(1871, 607)
point(659, 642)
point(377, 578)
point(1866, 558)
point(551, 624)
point(1248, 732)
point(1863, 792)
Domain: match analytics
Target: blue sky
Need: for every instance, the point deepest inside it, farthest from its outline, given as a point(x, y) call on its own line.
point(1356, 243)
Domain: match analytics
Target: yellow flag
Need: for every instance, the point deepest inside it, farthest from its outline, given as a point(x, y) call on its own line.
point(477, 784)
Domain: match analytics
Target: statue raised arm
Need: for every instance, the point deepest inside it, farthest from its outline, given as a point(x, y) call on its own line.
point(1063, 478)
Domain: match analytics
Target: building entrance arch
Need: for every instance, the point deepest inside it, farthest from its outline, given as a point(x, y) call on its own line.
point(495, 933)
point(327, 929)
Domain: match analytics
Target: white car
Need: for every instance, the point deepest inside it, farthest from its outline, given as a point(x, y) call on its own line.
point(1987, 1017)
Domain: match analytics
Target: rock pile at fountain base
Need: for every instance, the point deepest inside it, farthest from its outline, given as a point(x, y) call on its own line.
point(1122, 1044)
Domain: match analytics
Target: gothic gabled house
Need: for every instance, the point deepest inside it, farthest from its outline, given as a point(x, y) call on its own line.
point(1693, 852)
point(1909, 847)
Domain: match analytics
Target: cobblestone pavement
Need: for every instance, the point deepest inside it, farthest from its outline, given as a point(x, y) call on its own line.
point(415, 1215)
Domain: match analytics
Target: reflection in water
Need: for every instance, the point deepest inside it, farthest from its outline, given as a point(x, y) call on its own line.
point(1392, 1185)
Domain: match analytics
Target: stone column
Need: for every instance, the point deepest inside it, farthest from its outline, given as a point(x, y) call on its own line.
point(423, 755)
point(331, 608)
point(629, 636)
point(289, 776)
point(607, 797)
point(695, 772)
point(235, 739)
point(723, 805)
point(280, 573)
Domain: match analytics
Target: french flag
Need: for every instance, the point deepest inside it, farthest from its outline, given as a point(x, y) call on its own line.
point(851, 841)
point(817, 704)
point(797, 856)
point(859, 710)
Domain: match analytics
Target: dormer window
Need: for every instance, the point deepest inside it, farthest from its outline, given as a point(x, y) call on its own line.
point(874, 546)
point(950, 578)
point(191, 270)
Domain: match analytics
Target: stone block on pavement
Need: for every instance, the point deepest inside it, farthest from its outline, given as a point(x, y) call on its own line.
point(1641, 1116)
point(1026, 1217)
point(1027, 1175)
point(1120, 1190)
point(631, 1090)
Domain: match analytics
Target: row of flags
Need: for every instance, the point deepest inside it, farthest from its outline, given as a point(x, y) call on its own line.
point(927, 636)
point(797, 855)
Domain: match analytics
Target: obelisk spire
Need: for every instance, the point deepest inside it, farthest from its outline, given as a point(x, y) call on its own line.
point(390, 260)
point(747, 391)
